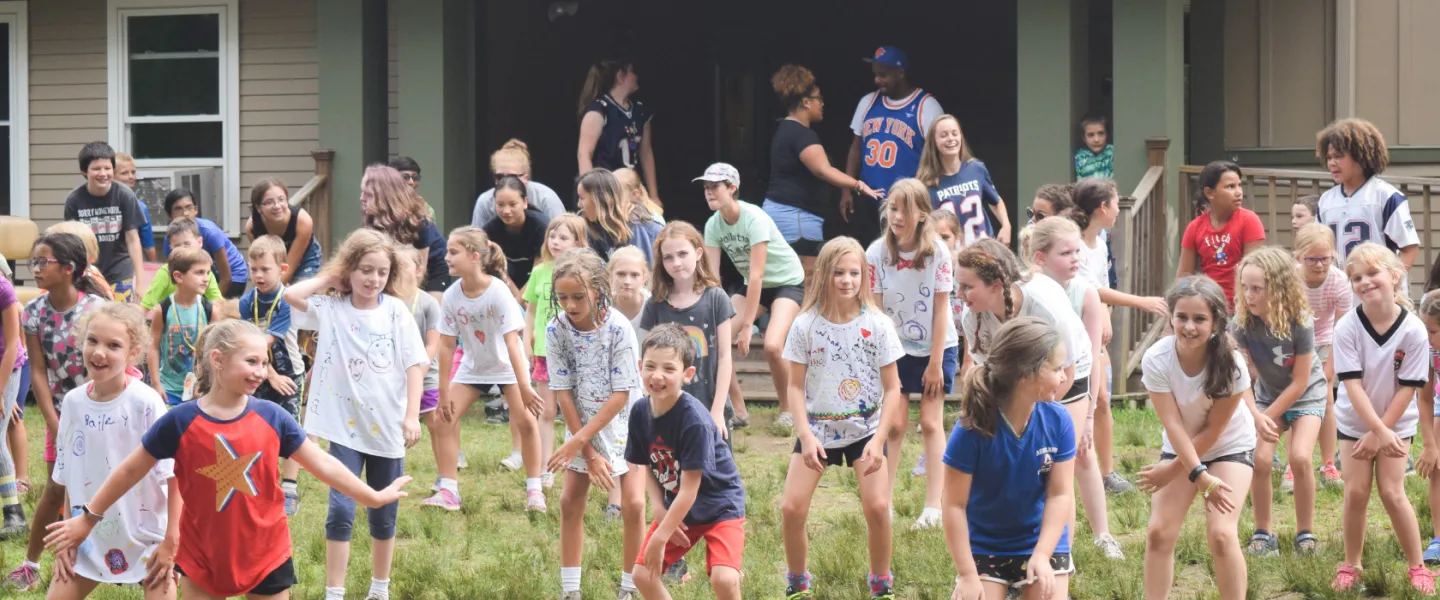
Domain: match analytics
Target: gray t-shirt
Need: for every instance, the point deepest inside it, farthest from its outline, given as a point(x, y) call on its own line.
point(701, 320)
point(1274, 361)
point(541, 198)
point(110, 216)
point(427, 315)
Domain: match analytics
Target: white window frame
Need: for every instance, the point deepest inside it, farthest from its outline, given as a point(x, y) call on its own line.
point(118, 79)
point(13, 13)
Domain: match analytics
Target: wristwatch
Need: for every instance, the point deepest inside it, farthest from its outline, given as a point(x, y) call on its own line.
point(92, 515)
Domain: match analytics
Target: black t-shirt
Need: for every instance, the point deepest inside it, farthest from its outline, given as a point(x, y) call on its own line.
point(791, 182)
point(685, 439)
point(521, 247)
point(430, 240)
point(110, 216)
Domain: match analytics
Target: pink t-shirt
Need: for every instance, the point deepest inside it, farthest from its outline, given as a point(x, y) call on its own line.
point(1329, 301)
point(8, 298)
point(1218, 251)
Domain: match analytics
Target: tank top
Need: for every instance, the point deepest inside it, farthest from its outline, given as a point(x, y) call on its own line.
point(257, 226)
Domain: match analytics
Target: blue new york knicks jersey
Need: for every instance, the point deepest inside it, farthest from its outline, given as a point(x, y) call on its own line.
point(891, 139)
point(619, 143)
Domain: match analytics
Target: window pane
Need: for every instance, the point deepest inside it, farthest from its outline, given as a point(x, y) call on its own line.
point(174, 33)
point(175, 86)
point(5, 203)
point(177, 140)
point(4, 71)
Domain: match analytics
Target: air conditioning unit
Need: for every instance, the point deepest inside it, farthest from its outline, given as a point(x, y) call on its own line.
point(204, 183)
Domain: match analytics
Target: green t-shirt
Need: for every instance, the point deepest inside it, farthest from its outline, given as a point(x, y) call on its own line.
point(782, 265)
point(163, 285)
point(537, 293)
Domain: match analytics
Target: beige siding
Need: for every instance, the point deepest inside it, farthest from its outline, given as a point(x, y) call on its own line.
point(279, 93)
point(67, 97)
point(1279, 84)
point(1395, 75)
point(393, 76)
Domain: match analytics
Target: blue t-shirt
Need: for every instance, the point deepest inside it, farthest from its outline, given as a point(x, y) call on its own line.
point(213, 239)
point(271, 314)
point(1007, 496)
point(619, 143)
point(967, 193)
point(147, 233)
point(432, 240)
point(685, 439)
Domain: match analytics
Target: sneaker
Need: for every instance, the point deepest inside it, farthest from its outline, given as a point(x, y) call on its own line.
point(627, 594)
point(571, 596)
point(1432, 552)
point(1330, 476)
point(514, 462)
point(678, 573)
point(919, 470)
point(1287, 483)
point(547, 480)
point(292, 503)
point(15, 524)
point(435, 487)
point(1109, 546)
point(445, 499)
point(612, 512)
point(1345, 578)
point(1275, 463)
point(739, 422)
point(930, 518)
point(885, 594)
point(463, 463)
point(1116, 483)
point(500, 418)
point(1263, 544)
point(1307, 544)
point(535, 501)
point(1422, 579)
point(791, 593)
point(22, 579)
point(785, 420)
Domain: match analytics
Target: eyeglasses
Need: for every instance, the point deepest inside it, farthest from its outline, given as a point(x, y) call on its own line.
point(273, 202)
point(39, 263)
point(816, 97)
point(1034, 217)
point(415, 177)
point(1316, 261)
point(499, 176)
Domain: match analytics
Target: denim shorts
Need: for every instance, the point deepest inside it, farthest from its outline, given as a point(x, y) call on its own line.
point(1294, 414)
point(912, 371)
point(802, 229)
point(309, 262)
point(379, 473)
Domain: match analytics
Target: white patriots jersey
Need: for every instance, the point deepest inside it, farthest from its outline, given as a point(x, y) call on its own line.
point(1377, 212)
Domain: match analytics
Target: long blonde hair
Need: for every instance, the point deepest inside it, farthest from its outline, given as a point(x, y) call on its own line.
point(128, 315)
point(614, 207)
point(630, 184)
point(225, 337)
point(932, 167)
point(407, 280)
point(570, 221)
point(1371, 254)
point(911, 197)
point(1289, 306)
point(818, 296)
point(356, 245)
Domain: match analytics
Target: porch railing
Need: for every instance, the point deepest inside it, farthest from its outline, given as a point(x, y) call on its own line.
point(314, 197)
point(1140, 240)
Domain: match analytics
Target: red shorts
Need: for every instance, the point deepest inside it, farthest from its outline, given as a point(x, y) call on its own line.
point(724, 543)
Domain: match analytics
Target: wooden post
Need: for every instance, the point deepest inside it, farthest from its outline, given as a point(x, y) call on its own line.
point(1120, 320)
point(320, 199)
point(1155, 149)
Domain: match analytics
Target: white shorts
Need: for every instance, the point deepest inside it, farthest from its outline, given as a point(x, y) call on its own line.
point(610, 443)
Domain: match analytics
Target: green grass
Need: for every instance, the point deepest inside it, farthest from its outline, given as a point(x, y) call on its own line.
point(492, 549)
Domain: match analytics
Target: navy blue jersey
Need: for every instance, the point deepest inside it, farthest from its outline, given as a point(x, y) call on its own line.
point(619, 143)
point(892, 135)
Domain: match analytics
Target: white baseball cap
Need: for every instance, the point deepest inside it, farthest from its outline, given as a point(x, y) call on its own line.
point(721, 172)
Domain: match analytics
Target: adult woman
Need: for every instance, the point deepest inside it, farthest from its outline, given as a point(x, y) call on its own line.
point(270, 214)
point(615, 128)
point(798, 166)
point(230, 269)
point(615, 220)
point(393, 207)
point(960, 183)
point(514, 159)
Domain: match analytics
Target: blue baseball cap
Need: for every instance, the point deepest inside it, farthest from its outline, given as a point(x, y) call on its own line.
point(889, 56)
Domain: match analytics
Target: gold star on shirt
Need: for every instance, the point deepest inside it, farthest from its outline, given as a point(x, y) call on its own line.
point(230, 472)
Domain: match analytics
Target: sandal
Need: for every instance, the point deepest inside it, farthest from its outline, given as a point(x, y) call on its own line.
point(1262, 544)
point(1307, 544)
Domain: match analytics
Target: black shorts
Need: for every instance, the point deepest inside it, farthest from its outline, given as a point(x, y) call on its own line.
point(846, 456)
point(1009, 569)
point(1077, 392)
point(279, 580)
point(1246, 458)
point(437, 281)
point(795, 293)
point(1345, 438)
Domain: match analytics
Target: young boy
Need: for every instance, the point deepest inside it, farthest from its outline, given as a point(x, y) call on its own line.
point(125, 173)
point(113, 212)
point(1362, 207)
point(176, 324)
point(182, 233)
point(1097, 158)
point(264, 307)
point(673, 435)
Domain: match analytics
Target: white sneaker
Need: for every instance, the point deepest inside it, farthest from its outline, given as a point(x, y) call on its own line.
point(547, 479)
point(513, 462)
point(1109, 546)
point(929, 519)
point(785, 420)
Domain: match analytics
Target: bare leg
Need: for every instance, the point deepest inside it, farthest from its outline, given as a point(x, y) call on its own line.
point(46, 512)
point(1088, 478)
point(1168, 507)
point(932, 432)
point(875, 502)
point(1222, 530)
point(19, 448)
point(1359, 476)
point(572, 518)
point(447, 449)
point(632, 511)
point(1104, 434)
point(382, 555)
point(546, 423)
point(1032, 592)
point(1390, 479)
point(1261, 489)
point(782, 314)
point(527, 431)
point(800, 482)
point(77, 588)
point(1302, 467)
point(737, 399)
point(337, 561)
point(1327, 429)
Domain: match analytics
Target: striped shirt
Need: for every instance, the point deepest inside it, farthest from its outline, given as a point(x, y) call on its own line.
point(1329, 301)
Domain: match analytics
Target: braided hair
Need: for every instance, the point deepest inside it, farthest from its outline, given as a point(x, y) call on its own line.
point(993, 262)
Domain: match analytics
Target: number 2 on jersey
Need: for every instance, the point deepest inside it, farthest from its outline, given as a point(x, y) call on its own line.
point(882, 154)
point(973, 225)
point(1355, 232)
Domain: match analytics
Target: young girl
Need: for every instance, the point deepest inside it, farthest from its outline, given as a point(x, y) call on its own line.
point(628, 277)
point(1304, 211)
point(270, 214)
point(1429, 312)
point(109, 416)
point(92, 251)
point(614, 220)
point(593, 360)
point(630, 184)
point(391, 206)
point(686, 291)
point(58, 263)
point(1330, 298)
point(1223, 231)
point(365, 390)
point(427, 320)
point(226, 448)
point(1196, 381)
point(911, 276)
point(960, 183)
point(1380, 352)
point(1056, 246)
point(843, 354)
point(519, 230)
point(1362, 207)
point(12, 369)
point(566, 232)
point(614, 126)
point(1010, 530)
point(480, 313)
point(1275, 333)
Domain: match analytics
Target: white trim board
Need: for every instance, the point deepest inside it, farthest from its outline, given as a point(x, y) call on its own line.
point(15, 14)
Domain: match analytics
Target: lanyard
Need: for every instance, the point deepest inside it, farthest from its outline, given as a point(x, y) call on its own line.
point(255, 308)
point(199, 314)
point(415, 304)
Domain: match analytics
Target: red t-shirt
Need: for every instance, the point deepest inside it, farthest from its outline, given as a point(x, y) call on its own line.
point(1218, 251)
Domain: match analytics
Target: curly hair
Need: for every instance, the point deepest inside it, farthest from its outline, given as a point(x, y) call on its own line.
point(706, 274)
point(1371, 254)
point(1357, 138)
point(392, 206)
point(128, 315)
point(1021, 348)
point(793, 84)
point(1059, 195)
point(1288, 305)
point(586, 267)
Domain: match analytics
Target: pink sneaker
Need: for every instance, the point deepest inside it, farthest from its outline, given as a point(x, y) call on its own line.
point(1346, 576)
point(23, 579)
point(1330, 476)
point(535, 501)
point(445, 499)
point(1422, 579)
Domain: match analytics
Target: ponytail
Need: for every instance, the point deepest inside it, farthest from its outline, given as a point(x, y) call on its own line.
point(494, 263)
point(1221, 368)
point(599, 80)
point(223, 336)
point(1088, 196)
point(69, 250)
point(1022, 347)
